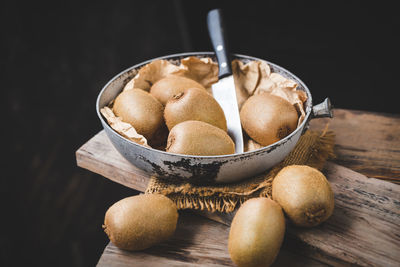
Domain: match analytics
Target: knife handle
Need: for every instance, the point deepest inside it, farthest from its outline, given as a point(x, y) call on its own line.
point(216, 31)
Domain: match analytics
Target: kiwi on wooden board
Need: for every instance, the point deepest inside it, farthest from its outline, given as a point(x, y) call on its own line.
point(194, 104)
point(304, 194)
point(165, 88)
point(141, 110)
point(199, 138)
point(139, 222)
point(256, 233)
point(267, 118)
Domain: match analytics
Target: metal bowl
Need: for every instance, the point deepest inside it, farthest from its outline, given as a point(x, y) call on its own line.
point(205, 169)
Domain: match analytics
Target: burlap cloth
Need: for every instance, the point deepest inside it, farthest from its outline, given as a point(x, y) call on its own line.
point(313, 149)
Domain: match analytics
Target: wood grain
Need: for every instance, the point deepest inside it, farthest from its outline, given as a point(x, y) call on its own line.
point(197, 242)
point(364, 229)
point(365, 226)
point(366, 142)
point(99, 156)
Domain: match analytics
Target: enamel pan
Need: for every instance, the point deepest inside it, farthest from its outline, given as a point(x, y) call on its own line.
point(205, 169)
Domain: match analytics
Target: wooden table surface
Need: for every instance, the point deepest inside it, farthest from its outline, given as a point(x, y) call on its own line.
point(364, 229)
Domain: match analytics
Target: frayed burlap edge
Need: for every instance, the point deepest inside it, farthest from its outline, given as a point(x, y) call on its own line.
point(313, 149)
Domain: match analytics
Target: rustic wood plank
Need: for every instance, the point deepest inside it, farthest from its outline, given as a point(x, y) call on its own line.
point(366, 142)
point(99, 155)
point(364, 228)
point(365, 225)
point(197, 242)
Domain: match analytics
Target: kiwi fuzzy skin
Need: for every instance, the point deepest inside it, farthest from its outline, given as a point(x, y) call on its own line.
point(141, 110)
point(139, 222)
point(194, 104)
point(171, 85)
point(256, 233)
point(267, 118)
point(304, 194)
point(199, 138)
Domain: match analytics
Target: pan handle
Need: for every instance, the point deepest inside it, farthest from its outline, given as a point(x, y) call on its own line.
point(322, 110)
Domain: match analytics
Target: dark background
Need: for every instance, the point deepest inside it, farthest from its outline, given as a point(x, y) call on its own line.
point(56, 56)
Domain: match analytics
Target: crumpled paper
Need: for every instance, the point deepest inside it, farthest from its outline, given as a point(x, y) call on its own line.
point(202, 70)
point(123, 128)
point(251, 78)
point(255, 77)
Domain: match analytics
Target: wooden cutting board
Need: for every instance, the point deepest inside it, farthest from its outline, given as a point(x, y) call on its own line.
point(364, 229)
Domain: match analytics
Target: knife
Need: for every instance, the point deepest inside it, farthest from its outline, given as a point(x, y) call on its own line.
point(224, 90)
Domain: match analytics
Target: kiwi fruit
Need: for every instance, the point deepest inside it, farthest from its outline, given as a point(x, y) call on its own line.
point(165, 88)
point(267, 118)
point(304, 194)
point(256, 233)
point(141, 110)
point(199, 138)
point(139, 222)
point(194, 104)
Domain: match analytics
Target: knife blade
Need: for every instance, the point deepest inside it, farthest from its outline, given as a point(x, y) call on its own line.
point(224, 91)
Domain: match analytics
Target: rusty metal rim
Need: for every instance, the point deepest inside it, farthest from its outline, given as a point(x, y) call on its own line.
point(187, 54)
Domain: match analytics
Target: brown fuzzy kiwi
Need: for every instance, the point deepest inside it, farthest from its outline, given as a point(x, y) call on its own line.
point(304, 194)
point(256, 233)
point(141, 110)
point(139, 222)
point(194, 104)
point(171, 85)
point(268, 118)
point(199, 138)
